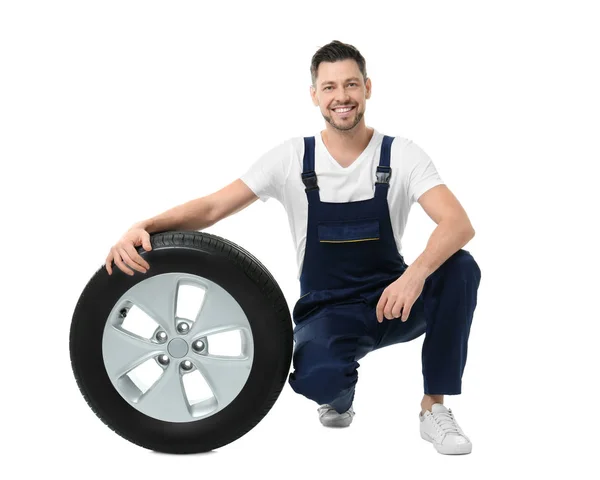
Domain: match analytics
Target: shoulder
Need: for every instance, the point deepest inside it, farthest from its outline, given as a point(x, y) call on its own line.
point(399, 143)
point(290, 147)
point(407, 154)
point(398, 149)
point(278, 154)
point(296, 144)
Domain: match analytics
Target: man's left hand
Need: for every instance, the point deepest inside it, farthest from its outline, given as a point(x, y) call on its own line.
point(399, 297)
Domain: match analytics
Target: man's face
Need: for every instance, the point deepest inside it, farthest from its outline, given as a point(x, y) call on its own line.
point(341, 84)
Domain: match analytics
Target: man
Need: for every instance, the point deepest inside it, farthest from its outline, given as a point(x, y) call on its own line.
point(347, 192)
point(357, 294)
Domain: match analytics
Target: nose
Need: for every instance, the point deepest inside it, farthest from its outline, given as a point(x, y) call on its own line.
point(342, 97)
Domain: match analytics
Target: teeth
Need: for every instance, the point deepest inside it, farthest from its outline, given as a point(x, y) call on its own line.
point(342, 110)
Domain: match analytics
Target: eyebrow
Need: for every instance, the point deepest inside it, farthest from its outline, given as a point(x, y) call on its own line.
point(347, 80)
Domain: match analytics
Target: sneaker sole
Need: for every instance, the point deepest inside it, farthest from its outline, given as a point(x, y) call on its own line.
point(449, 450)
point(337, 423)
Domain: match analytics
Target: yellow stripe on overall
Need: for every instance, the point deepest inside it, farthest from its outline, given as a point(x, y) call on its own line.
point(348, 241)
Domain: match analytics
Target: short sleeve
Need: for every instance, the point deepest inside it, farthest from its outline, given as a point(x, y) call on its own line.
point(266, 176)
point(422, 172)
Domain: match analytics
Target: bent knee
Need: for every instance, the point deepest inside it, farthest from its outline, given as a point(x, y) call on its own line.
point(324, 382)
point(463, 264)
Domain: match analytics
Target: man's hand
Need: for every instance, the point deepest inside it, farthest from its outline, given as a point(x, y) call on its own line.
point(399, 297)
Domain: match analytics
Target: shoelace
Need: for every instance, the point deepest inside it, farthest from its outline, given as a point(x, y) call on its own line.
point(447, 423)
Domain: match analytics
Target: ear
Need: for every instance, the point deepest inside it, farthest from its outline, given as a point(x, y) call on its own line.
point(368, 88)
point(313, 96)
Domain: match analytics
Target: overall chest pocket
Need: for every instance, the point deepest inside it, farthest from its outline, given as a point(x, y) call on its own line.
point(345, 231)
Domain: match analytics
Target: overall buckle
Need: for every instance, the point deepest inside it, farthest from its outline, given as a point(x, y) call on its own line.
point(383, 174)
point(310, 180)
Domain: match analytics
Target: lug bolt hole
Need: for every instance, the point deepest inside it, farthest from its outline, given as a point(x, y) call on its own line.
point(163, 360)
point(183, 327)
point(161, 337)
point(186, 365)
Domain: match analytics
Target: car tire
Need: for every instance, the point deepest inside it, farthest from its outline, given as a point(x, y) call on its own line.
point(242, 276)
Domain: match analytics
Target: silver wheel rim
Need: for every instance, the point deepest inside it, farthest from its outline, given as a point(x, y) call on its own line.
point(178, 350)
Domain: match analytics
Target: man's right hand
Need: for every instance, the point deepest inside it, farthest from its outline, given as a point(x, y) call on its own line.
point(124, 254)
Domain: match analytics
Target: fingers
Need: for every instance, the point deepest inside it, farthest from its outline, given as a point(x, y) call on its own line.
point(121, 265)
point(390, 307)
point(108, 262)
point(380, 307)
point(387, 311)
point(401, 310)
point(125, 255)
point(130, 262)
point(386, 308)
point(147, 244)
point(397, 309)
point(406, 312)
point(137, 258)
point(118, 258)
point(393, 309)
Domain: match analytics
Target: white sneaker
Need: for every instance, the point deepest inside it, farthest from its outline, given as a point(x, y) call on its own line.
point(440, 428)
point(331, 418)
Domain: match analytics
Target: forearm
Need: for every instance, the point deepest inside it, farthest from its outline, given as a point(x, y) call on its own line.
point(192, 215)
point(448, 237)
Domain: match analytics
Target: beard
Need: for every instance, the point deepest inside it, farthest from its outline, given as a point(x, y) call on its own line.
point(345, 126)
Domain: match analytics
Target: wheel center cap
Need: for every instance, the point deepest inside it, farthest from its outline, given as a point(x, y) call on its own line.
point(178, 348)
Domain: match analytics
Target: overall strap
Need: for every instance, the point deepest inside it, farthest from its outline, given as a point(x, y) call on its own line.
point(384, 171)
point(309, 177)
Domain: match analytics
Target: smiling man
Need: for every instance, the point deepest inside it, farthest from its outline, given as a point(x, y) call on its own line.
point(347, 192)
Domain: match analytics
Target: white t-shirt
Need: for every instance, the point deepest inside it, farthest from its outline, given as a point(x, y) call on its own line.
point(277, 174)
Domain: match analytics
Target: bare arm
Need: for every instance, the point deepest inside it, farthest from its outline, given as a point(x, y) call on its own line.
point(453, 231)
point(203, 212)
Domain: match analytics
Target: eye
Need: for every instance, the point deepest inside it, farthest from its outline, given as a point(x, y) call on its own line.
point(326, 88)
point(353, 83)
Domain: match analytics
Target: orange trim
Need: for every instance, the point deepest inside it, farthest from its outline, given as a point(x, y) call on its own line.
point(348, 241)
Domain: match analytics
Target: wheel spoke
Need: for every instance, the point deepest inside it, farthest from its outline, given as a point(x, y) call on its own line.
point(219, 313)
point(157, 297)
point(123, 351)
point(226, 376)
point(166, 398)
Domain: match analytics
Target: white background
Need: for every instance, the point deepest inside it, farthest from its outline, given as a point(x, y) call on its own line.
point(112, 112)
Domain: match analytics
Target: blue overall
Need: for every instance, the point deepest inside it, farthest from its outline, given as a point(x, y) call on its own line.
point(350, 258)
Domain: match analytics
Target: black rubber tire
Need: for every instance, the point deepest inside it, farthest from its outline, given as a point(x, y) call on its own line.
point(253, 287)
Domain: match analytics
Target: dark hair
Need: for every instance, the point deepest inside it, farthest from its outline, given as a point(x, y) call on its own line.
point(334, 52)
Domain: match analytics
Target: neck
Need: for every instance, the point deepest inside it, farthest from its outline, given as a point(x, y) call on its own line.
point(347, 141)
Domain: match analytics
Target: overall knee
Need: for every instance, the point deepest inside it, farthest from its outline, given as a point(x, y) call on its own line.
point(462, 265)
point(325, 382)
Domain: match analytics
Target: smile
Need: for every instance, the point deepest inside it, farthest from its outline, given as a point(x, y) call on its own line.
point(342, 112)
